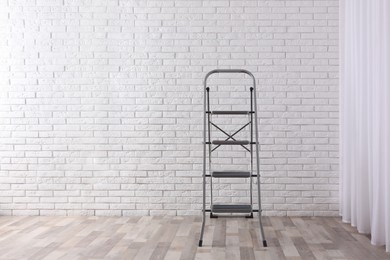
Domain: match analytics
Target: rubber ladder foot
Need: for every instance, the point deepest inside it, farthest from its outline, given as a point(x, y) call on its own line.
point(265, 243)
point(250, 216)
point(200, 243)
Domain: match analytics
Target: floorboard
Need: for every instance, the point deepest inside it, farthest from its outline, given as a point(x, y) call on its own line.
point(177, 238)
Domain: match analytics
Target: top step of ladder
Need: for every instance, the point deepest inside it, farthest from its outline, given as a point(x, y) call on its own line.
point(229, 112)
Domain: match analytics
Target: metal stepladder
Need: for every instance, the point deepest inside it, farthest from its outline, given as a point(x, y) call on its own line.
point(230, 140)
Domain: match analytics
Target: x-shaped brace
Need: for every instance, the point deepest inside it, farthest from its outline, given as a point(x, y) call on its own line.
point(230, 136)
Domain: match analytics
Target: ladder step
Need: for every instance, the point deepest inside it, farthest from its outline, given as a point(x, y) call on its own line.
point(226, 208)
point(242, 142)
point(230, 174)
point(230, 112)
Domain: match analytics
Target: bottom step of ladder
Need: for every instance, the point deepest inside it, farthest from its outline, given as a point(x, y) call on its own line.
point(230, 174)
point(239, 208)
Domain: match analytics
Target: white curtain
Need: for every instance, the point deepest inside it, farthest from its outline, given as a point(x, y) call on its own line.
point(365, 117)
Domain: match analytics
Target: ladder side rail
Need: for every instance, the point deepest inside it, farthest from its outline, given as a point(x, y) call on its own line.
point(204, 165)
point(251, 149)
point(209, 144)
point(258, 161)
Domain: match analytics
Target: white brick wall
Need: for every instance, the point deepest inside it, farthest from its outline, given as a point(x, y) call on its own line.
point(100, 103)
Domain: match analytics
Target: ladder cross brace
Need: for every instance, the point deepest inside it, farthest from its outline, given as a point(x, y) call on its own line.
point(229, 136)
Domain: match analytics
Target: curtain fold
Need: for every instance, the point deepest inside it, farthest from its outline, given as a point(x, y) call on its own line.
point(365, 117)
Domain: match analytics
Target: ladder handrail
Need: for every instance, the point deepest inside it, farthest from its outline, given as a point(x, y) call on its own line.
point(229, 71)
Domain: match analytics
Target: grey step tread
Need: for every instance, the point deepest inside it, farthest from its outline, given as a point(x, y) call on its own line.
point(230, 174)
point(238, 142)
point(223, 112)
point(231, 208)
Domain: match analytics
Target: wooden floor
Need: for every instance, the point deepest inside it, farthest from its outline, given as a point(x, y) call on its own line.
point(177, 238)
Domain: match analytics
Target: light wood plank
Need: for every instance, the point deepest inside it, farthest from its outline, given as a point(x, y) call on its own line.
point(173, 238)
